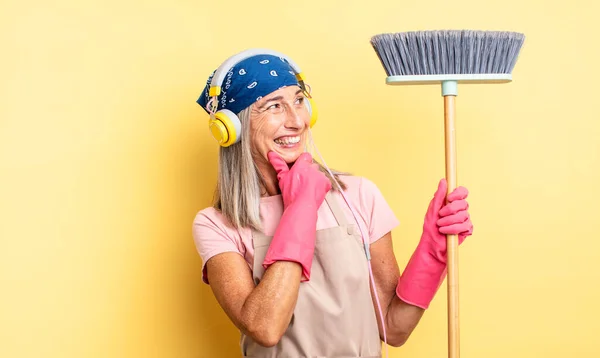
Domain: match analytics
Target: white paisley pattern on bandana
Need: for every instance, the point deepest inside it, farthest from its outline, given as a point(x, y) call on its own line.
point(249, 81)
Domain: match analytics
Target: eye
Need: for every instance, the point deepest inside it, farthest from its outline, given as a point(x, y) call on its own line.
point(274, 106)
point(299, 100)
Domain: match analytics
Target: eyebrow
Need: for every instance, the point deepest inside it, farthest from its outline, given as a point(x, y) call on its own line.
point(277, 98)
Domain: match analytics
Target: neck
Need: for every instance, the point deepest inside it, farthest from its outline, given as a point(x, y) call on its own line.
point(270, 185)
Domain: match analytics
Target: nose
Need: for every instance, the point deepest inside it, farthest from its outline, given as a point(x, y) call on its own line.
point(293, 118)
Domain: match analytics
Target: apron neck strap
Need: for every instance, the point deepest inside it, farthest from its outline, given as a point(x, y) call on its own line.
point(333, 204)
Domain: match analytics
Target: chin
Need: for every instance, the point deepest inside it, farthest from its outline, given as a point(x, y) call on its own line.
point(290, 153)
point(292, 157)
point(289, 157)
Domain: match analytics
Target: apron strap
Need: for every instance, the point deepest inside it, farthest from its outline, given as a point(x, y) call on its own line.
point(336, 209)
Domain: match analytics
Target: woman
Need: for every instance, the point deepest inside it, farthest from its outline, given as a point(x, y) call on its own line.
point(282, 247)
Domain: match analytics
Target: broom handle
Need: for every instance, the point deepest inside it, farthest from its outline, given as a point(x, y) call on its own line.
point(452, 240)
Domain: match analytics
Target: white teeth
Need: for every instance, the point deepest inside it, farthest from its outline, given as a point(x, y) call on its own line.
point(288, 140)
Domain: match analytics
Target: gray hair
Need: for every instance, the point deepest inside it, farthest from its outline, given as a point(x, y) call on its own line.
point(237, 195)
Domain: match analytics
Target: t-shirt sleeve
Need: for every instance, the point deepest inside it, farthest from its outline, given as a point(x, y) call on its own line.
point(378, 215)
point(212, 237)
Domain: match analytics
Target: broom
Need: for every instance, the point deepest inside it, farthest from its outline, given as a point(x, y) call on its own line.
point(448, 58)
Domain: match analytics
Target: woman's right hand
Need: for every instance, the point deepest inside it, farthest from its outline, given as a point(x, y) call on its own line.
point(303, 182)
point(303, 188)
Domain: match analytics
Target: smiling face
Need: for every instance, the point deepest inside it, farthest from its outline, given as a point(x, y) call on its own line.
point(279, 122)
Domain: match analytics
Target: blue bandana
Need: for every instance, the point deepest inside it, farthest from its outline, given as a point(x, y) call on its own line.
point(250, 80)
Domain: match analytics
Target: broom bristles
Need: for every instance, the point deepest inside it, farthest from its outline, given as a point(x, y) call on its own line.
point(448, 52)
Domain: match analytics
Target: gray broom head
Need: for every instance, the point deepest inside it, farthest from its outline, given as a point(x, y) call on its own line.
point(420, 57)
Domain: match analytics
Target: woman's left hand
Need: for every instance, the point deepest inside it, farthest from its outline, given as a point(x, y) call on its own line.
point(454, 218)
point(423, 275)
point(446, 215)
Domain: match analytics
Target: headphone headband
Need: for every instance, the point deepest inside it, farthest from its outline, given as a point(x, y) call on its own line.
point(221, 72)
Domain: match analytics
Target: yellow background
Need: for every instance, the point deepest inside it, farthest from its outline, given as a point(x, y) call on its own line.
point(105, 158)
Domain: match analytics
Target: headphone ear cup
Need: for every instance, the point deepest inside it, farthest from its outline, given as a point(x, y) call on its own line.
point(312, 110)
point(225, 127)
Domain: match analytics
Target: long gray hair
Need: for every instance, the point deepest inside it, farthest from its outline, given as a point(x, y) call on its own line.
point(238, 193)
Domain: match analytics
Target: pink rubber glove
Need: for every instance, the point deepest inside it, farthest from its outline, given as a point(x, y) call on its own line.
point(426, 268)
point(303, 188)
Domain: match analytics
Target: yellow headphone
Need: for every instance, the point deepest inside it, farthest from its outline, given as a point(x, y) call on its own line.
point(224, 125)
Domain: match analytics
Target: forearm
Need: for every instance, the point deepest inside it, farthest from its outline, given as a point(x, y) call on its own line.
point(400, 316)
point(268, 309)
point(401, 319)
